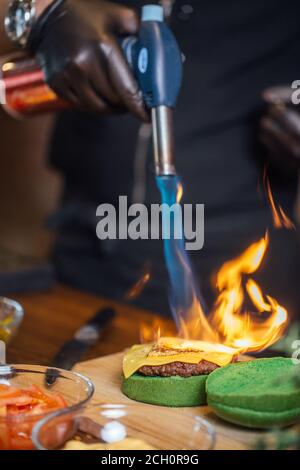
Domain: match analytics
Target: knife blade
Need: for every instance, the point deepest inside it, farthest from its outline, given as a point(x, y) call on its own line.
point(85, 337)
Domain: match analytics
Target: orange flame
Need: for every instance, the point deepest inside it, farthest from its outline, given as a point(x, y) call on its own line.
point(179, 193)
point(153, 330)
point(280, 219)
point(242, 330)
point(287, 223)
point(138, 287)
point(228, 325)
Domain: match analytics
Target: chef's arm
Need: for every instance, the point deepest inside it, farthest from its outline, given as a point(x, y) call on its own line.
point(76, 44)
point(6, 45)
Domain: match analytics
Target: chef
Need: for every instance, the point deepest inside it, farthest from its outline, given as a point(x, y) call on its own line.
point(234, 51)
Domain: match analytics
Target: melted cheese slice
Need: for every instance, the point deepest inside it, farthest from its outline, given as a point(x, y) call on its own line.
point(167, 350)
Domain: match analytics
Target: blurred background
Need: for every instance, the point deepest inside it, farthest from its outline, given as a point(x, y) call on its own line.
point(29, 189)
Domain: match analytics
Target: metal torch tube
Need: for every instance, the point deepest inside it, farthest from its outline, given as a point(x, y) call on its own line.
point(162, 123)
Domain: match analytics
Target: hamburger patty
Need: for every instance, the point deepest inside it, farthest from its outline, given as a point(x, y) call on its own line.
point(178, 368)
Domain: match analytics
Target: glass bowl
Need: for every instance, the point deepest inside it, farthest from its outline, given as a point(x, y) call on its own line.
point(15, 429)
point(123, 427)
point(11, 316)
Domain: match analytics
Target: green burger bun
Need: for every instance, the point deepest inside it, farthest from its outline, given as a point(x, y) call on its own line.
point(256, 394)
point(166, 391)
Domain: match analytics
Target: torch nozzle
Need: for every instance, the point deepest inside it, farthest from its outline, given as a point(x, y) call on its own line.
point(162, 123)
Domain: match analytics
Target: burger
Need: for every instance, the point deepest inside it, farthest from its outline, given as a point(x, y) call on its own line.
point(172, 371)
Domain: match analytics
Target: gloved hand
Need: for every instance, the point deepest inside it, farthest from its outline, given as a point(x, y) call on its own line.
point(280, 127)
point(75, 43)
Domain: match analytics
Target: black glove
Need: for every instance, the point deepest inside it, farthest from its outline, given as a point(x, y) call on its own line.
point(75, 43)
point(280, 127)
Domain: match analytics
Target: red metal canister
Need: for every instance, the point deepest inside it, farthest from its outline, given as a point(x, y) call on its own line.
point(25, 91)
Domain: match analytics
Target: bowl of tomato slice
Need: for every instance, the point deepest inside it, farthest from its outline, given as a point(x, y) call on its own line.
point(28, 393)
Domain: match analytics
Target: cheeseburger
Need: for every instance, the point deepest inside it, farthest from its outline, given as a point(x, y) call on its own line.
point(172, 371)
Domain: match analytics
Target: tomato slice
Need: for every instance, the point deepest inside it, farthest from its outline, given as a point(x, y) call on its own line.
point(21, 443)
point(29, 402)
point(7, 391)
point(4, 437)
point(22, 400)
point(60, 401)
point(54, 400)
point(35, 392)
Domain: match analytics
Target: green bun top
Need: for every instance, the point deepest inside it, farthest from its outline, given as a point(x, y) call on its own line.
point(257, 393)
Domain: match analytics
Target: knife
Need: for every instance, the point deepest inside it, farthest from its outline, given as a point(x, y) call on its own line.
point(84, 338)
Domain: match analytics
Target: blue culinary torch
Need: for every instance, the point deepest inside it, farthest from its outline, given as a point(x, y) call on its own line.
point(156, 61)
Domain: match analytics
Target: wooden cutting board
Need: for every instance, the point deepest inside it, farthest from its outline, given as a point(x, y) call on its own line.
point(106, 374)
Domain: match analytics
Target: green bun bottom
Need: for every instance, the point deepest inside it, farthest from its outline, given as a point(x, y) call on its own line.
point(166, 391)
point(255, 394)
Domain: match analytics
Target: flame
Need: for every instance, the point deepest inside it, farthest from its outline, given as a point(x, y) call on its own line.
point(280, 219)
point(255, 293)
point(138, 287)
point(150, 333)
point(229, 325)
point(153, 330)
point(193, 324)
point(242, 330)
point(287, 223)
point(179, 193)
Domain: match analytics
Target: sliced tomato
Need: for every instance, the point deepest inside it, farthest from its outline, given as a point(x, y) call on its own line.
point(22, 400)
point(35, 392)
point(29, 402)
point(39, 409)
point(5, 387)
point(60, 401)
point(21, 443)
point(23, 429)
point(16, 410)
point(52, 401)
point(4, 437)
point(7, 391)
